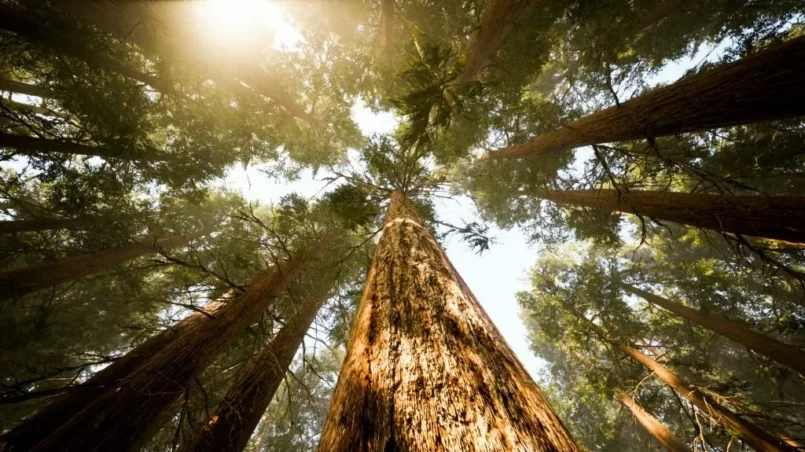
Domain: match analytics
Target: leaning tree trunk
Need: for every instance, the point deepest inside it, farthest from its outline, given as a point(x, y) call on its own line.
point(765, 86)
point(426, 369)
point(42, 224)
point(779, 217)
point(497, 20)
point(14, 86)
point(654, 427)
point(15, 283)
point(28, 145)
point(241, 409)
point(784, 354)
point(123, 417)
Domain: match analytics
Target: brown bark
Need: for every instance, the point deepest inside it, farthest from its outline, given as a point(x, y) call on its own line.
point(31, 146)
point(123, 416)
point(17, 226)
point(15, 283)
point(240, 411)
point(766, 86)
point(27, 108)
point(784, 354)
point(426, 369)
point(497, 20)
point(779, 217)
point(654, 427)
point(146, 26)
point(14, 86)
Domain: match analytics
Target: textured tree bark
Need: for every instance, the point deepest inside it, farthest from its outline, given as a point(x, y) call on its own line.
point(43, 224)
point(779, 218)
point(142, 24)
point(240, 411)
point(654, 427)
point(14, 86)
point(784, 354)
point(15, 283)
point(426, 369)
point(497, 20)
point(122, 417)
point(765, 86)
point(31, 146)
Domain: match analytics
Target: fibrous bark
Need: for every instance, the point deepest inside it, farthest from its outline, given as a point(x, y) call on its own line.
point(654, 427)
point(15, 283)
point(123, 416)
point(241, 409)
point(780, 217)
point(425, 368)
point(784, 354)
point(32, 146)
point(766, 86)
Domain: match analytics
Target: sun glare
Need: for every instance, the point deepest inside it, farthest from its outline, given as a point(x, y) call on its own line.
point(244, 22)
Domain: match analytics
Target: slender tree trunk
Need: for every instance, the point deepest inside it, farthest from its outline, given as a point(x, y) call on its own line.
point(497, 20)
point(17, 21)
point(779, 218)
point(123, 417)
point(13, 86)
point(17, 226)
point(15, 283)
point(31, 146)
point(426, 369)
point(246, 401)
point(654, 427)
point(784, 354)
point(142, 23)
point(765, 86)
point(27, 108)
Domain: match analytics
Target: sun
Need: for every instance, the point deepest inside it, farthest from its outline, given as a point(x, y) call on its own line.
point(243, 22)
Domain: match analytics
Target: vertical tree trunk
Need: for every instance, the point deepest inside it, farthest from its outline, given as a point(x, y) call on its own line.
point(425, 368)
point(28, 145)
point(497, 20)
point(784, 354)
point(243, 406)
point(765, 86)
point(654, 427)
point(14, 86)
point(122, 417)
point(15, 283)
point(779, 218)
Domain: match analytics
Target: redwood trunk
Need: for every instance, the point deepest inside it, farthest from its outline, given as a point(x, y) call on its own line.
point(123, 417)
point(31, 146)
point(15, 283)
point(426, 369)
point(16, 226)
point(13, 86)
point(765, 86)
point(779, 218)
point(246, 401)
point(784, 354)
point(497, 20)
point(654, 427)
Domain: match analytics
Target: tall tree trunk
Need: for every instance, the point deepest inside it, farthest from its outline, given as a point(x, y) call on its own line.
point(142, 23)
point(497, 20)
point(123, 416)
point(246, 401)
point(31, 146)
point(779, 218)
point(784, 354)
point(765, 86)
point(654, 427)
point(15, 283)
point(27, 108)
point(17, 21)
point(16, 226)
point(14, 86)
point(426, 369)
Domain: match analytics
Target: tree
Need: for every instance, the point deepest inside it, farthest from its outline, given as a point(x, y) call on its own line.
point(651, 424)
point(33, 146)
point(418, 322)
point(760, 87)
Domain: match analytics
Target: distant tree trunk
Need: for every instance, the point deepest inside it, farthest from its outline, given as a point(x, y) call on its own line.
point(27, 108)
point(497, 20)
point(123, 417)
point(654, 427)
point(141, 23)
point(17, 21)
point(14, 283)
point(765, 86)
point(16, 226)
point(13, 86)
point(32, 146)
point(773, 349)
point(426, 369)
point(779, 218)
point(241, 409)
